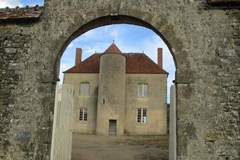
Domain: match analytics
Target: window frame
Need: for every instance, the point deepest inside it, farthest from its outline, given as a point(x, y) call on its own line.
point(142, 116)
point(81, 93)
point(83, 114)
point(143, 90)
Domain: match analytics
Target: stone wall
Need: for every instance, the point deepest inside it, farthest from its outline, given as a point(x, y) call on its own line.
point(90, 102)
point(111, 93)
point(155, 103)
point(26, 118)
point(203, 39)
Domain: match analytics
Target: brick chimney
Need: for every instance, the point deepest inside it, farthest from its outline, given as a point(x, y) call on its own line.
point(78, 57)
point(160, 57)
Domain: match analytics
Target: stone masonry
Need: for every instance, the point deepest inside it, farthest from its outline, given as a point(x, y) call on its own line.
point(203, 36)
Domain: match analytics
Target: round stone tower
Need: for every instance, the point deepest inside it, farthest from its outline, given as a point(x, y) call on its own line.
point(111, 92)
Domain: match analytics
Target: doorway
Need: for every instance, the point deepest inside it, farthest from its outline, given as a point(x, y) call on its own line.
point(112, 127)
point(89, 40)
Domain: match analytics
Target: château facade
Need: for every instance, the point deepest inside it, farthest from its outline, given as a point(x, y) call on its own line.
point(117, 93)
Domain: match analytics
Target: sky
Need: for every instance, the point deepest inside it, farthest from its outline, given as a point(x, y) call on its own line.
point(129, 38)
point(20, 3)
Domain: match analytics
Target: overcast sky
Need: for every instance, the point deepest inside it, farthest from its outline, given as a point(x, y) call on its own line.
point(129, 38)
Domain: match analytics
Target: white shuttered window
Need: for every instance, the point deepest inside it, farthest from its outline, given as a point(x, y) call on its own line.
point(83, 114)
point(85, 89)
point(142, 90)
point(141, 115)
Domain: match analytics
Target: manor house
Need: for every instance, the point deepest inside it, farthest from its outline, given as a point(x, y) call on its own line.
point(118, 93)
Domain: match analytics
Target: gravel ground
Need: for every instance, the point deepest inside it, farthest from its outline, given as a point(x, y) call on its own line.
point(92, 147)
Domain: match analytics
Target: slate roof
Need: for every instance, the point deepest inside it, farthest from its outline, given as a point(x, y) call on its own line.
point(136, 63)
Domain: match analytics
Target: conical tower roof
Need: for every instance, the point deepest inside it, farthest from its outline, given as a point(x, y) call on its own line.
point(113, 49)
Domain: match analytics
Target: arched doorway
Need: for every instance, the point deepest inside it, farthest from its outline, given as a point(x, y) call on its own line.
point(106, 21)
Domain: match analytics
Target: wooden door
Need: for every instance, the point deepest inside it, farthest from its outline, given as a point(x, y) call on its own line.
point(112, 127)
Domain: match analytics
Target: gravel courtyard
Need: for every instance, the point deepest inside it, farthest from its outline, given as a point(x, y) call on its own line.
point(92, 147)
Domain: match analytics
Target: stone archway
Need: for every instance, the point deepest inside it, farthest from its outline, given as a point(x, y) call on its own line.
point(205, 43)
point(65, 151)
point(108, 20)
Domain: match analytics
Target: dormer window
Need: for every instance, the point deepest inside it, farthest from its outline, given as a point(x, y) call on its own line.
point(142, 90)
point(85, 89)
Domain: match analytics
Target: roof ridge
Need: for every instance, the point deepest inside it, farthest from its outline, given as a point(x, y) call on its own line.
point(113, 49)
point(137, 63)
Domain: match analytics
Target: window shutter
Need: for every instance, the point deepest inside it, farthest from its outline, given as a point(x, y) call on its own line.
point(81, 114)
point(85, 114)
point(139, 90)
point(139, 115)
point(144, 120)
point(145, 88)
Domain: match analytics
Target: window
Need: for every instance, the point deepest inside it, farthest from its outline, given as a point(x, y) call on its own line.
point(142, 90)
point(141, 115)
point(85, 89)
point(83, 114)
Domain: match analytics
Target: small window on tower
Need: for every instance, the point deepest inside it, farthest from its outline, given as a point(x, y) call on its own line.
point(142, 90)
point(85, 89)
point(83, 114)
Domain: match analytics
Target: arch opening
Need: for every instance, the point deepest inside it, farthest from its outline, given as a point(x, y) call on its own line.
point(109, 20)
point(101, 22)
